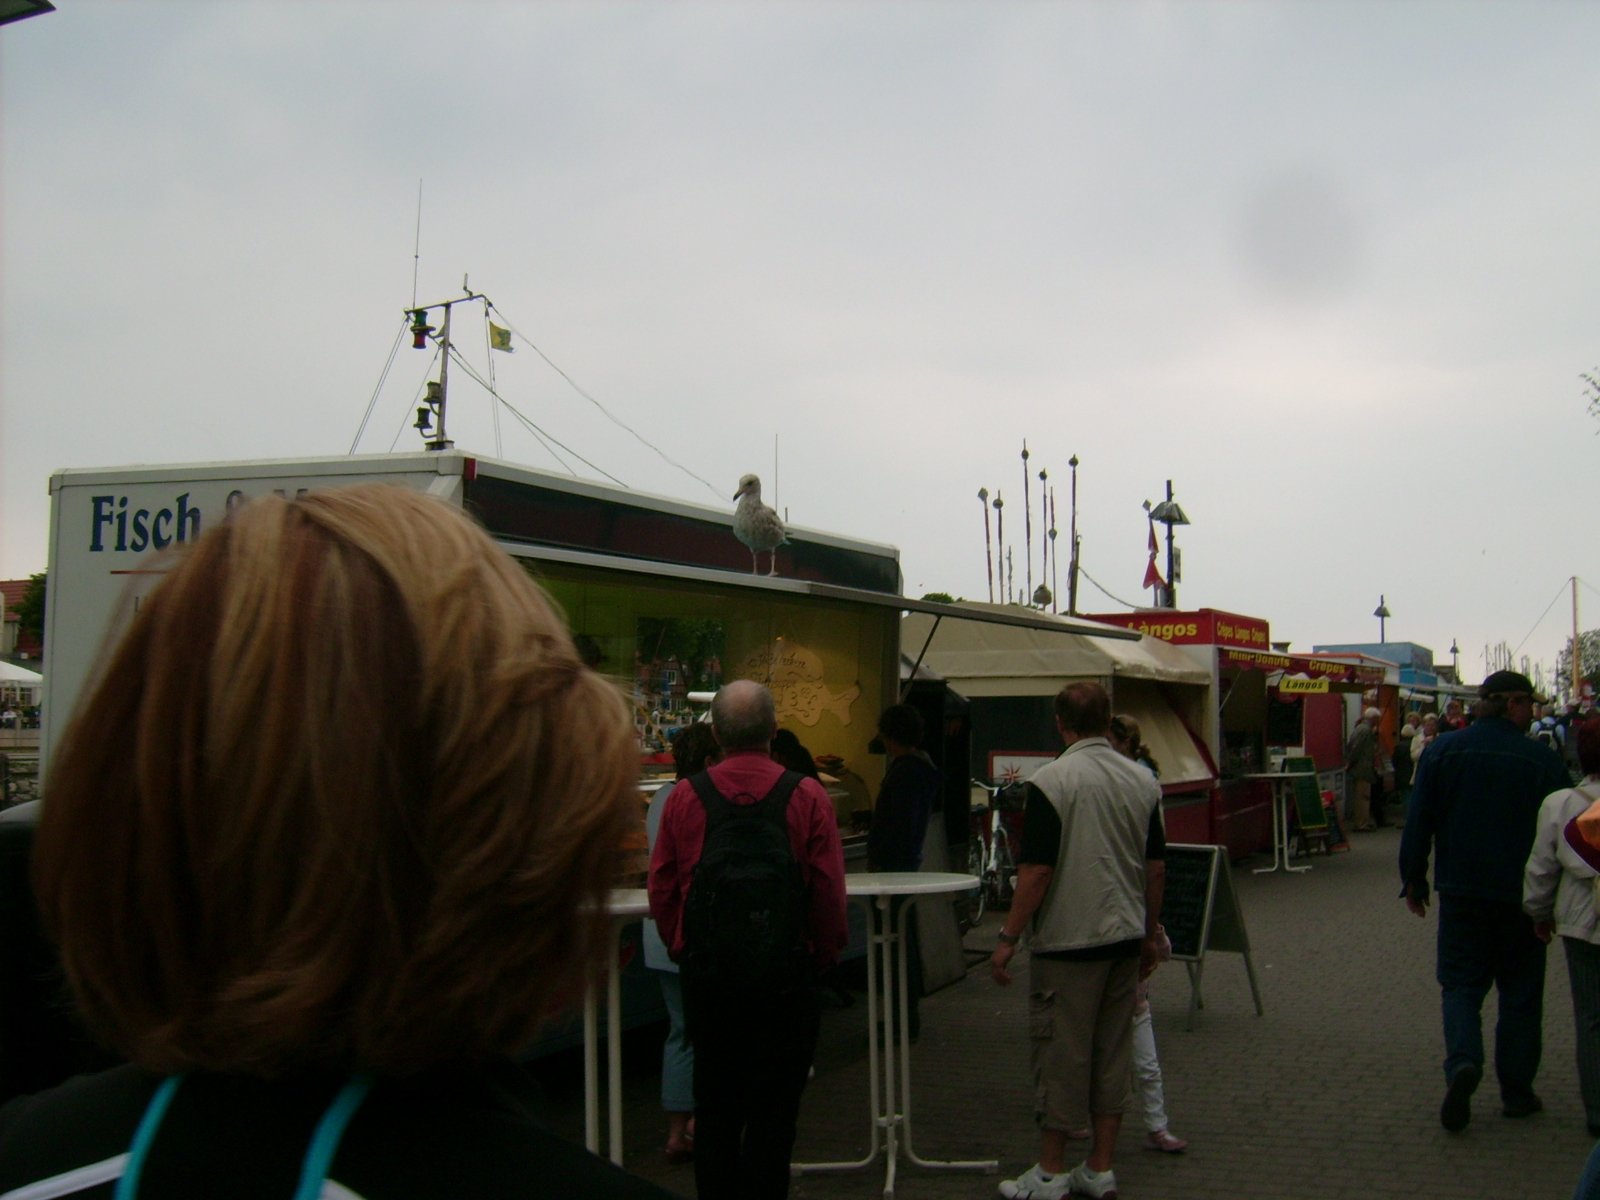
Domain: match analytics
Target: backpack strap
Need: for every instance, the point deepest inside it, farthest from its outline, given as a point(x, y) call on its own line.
point(774, 807)
point(718, 807)
point(778, 798)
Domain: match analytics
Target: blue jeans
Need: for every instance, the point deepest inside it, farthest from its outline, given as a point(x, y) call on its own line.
point(1483, 942)
point(1589, 1181)
point(677, 1055)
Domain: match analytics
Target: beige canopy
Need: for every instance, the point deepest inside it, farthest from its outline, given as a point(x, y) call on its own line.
point(980, 659)
point(983, 659)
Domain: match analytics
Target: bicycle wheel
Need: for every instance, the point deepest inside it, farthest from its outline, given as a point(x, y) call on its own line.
point(1005, 876)
point(975, 898)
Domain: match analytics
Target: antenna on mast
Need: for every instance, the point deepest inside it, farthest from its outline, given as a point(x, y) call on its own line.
point(416, 250)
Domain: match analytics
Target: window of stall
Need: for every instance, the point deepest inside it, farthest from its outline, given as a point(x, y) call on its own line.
point(831, 666)
point(1244, 719)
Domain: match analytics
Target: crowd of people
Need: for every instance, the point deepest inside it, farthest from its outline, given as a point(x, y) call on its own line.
point(296, 871)
point(1515, 853)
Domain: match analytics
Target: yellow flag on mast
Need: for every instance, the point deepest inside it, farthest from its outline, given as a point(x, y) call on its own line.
point(499, 339)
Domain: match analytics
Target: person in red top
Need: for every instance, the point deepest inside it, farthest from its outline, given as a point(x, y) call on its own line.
point(752, 1050)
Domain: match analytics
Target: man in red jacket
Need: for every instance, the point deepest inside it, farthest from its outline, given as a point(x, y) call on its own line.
point(753, 1046)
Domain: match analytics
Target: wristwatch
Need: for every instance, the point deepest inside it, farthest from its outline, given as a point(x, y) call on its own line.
point(1009, 939)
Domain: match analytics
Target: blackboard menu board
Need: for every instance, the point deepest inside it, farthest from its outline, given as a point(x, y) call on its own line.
point(1201, 913)
point(1186, 904)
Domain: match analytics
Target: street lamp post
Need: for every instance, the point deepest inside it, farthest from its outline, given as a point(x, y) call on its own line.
point(1383, 614)
point(1169, 514)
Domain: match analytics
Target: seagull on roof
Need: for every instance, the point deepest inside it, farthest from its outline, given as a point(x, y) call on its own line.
point(756, 524)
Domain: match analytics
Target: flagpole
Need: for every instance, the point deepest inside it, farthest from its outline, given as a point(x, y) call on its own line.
point(1027, 517)
point(1000, 539)
point(1072, 548)
point(1055, 556)
point(1044, 538)
point(988, 550)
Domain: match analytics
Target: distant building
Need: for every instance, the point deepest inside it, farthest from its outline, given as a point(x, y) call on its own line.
point(13, 643)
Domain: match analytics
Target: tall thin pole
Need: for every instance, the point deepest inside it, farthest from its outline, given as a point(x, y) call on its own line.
point(1044, 537)
point(1577, 647)
point(416, 250)
point(1000, 540)
point(1055, 556)
point(1172, 582)
point(988, 550)
point(1072, 549)
point(1027, 518)
point(442, 442)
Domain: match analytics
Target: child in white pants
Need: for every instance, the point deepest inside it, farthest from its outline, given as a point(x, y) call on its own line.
point(1147, 1070)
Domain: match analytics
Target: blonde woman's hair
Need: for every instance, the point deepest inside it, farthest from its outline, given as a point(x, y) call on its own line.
point(344, 796)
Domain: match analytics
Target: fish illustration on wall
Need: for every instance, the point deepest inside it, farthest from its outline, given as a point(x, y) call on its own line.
point(796, 678)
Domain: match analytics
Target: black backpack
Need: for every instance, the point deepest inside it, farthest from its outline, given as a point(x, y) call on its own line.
point(744, 918)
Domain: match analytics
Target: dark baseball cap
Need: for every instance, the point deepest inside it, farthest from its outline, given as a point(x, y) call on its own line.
point(1508, 683)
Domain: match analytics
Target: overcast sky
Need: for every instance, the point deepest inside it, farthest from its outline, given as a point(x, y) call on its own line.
point(1330, 267)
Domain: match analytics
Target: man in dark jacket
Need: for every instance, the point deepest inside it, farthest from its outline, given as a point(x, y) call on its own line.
point(1475, 801)
point(908, 797)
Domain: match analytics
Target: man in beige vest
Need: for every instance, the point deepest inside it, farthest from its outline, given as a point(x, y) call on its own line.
point(1089, 884)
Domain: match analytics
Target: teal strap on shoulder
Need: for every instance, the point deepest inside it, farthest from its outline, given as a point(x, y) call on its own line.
point(325, 1142)
point(128, 1182)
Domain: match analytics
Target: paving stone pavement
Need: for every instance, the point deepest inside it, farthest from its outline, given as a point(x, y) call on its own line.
point(1333, 1092)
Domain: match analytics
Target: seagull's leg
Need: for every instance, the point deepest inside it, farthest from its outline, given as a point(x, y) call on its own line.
point(772, 562)
point(755, 562)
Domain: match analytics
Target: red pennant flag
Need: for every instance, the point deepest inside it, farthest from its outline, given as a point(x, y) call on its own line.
point(1152, 573)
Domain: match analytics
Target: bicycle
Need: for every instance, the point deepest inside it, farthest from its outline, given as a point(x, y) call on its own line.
point(991, 853)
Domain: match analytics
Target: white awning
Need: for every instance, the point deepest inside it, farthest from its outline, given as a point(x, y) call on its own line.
point(980, 658)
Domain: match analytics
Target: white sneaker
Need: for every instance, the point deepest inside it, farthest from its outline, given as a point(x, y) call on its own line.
point(1033, 1184)
point(1100, 1185)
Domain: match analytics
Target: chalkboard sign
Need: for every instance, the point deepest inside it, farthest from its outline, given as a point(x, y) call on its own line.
point(1186, 905)
point(1201, 913)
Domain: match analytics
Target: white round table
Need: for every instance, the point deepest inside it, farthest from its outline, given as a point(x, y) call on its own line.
point(622, 905)
point(890, 1100)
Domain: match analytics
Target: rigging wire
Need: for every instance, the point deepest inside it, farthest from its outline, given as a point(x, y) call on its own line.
point(373, 403)
point(415, 396)
point(1103, 591)
point(541, 439)
point(1540, 621)
point(606, 412)
point(472, 373)
point(488, 350)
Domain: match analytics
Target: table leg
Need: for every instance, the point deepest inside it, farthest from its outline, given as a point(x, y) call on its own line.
point(874, 1112)
point(614, 1051)
point(591, 1074)
point(1288, 799)
point(891, 1090)
point(990, 1166)
point(1278, 825)
point(890, 1119)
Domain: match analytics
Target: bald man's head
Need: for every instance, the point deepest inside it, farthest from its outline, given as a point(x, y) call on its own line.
point(743, 716)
